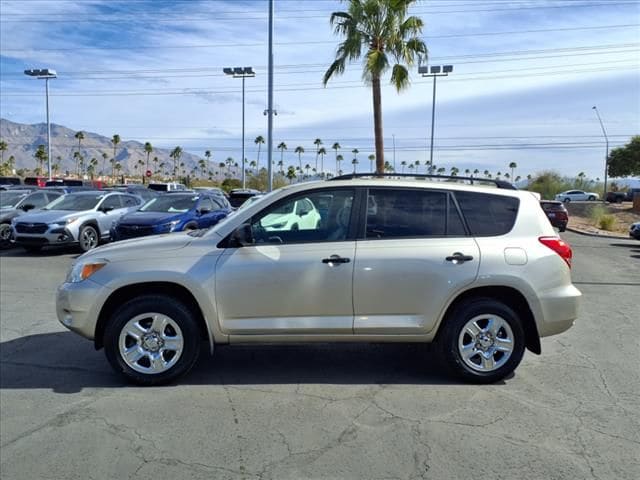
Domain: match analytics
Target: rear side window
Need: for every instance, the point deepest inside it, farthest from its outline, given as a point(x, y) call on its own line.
point(487, 214)
point(397, 213)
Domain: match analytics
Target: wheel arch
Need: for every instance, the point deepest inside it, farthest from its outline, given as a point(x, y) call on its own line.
point(509, 296)
point(91, 222)
point(128, 292)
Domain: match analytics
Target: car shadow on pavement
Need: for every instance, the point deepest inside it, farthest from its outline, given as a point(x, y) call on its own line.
point(45, 252)
point(634, 249)
point(66, 363)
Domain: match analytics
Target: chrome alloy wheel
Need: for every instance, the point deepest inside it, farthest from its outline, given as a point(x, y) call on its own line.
point(485, 343)
point(88, 239)
point(151, 343)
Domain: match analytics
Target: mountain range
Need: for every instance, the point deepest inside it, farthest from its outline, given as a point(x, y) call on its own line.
point(23, 141)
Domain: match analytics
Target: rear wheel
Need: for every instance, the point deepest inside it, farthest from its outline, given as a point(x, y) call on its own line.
point(591, 198)
point(483, 341)
point(566, 200)
point(152, 340)
point(5, 235)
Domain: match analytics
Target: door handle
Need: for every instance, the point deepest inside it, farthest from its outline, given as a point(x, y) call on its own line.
point(333, 259)
point(458, 257)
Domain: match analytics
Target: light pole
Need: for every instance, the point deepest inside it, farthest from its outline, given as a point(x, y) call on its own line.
point(241, 72)
point(606, 158)
point(46, 74)
point(271, 112)
point(435, 72)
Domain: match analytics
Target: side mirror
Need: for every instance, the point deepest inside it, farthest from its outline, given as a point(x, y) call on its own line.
point(28, 206)
point(241, 236)
point(105, 209)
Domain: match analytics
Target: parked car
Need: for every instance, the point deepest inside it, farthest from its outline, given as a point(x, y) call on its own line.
point(74, 182)
point(238, 196)
point(136, 189)
point(477, 270)
point(36, 181)
point(299, 215)
point(82, 218)
point(171, 213)
point(166, 187)
point(577, 196)
point(634, 230)
point(13, 181)
point(20, 202)
point(556, 213)
point(615, 197)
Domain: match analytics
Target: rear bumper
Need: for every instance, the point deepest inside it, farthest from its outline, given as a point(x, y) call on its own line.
point(559, 309)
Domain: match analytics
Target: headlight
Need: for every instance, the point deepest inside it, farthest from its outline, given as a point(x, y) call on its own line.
point(82, 270)
point(63, 223)
point(171, 225)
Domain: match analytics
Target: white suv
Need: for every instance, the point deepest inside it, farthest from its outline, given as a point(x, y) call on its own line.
point(478, 270)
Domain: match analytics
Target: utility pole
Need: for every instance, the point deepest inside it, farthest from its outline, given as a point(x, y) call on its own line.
point(270, 102)
point(606, 157)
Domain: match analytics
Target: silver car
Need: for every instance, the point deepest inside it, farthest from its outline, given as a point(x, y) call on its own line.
point(478, 270)
point(81, 218)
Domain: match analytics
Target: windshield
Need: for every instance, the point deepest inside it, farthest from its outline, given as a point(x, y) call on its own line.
point(170, 204)
point(75, 203)
point(10, 199)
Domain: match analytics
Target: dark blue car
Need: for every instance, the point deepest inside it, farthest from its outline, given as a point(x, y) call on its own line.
point(174, 212)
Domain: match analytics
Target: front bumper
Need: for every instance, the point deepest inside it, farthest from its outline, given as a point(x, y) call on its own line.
point(78, 306)
point(55, 235)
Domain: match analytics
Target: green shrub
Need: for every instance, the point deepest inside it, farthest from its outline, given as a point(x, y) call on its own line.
point(596, 213)
point(606, 222)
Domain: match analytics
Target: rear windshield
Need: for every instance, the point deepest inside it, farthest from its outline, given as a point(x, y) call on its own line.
point(487, 214)
point(548, 206)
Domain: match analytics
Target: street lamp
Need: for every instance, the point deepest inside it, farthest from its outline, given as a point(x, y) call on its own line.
point(46, 74)
point(606, 158)
point(241, 72)
point(434, 71)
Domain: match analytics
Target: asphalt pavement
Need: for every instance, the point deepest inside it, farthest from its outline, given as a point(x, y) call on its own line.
point(324, 411)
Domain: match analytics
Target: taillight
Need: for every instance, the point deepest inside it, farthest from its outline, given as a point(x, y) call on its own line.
point(559, 246)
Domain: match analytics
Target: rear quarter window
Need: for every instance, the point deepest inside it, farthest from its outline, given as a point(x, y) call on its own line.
point(486, 214)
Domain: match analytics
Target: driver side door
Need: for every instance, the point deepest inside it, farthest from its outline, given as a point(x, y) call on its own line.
point(295, 281)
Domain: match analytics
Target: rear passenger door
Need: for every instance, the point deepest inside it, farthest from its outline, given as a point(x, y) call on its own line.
point(406, 267)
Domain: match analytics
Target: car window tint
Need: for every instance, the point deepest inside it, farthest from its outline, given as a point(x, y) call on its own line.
point(406, 213)
point(318, 216)
point(130, 201)
point(207, 204)
point(36, 199)
point(218, 203)
point(455, 227)
point(51, 196)
point(488, 214)
point(112, 202)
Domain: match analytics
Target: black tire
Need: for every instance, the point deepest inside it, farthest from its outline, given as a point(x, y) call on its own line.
point(32, 248)
point(452, 330)
point(618, 200)
point(567, 200)
point(190, 226)
point(295, 227)
point(562, 229)
point(591, 198)
point(5, 235)
point(88, 238)
point(170, 307)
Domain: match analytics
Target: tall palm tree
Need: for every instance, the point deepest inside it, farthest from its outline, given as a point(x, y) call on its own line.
point(372, 158)
point(76, 160)
point(382, 29)
point(229, 162)
point(258, 141)
point(336, 146)
point(41, 157)
point(403, 163)
point(299, 150)
point(317, 142)
point(78, 136)
point(104, 159)
point(3, 148)
point(148, 148)
point(513, 166)
point(176, 153)
point(498, 175)
point(322, 152)
point(115, 140)
point(354, 162)
point(282, 147)
point(441, 170)
point(207, 154)
point(417, 164)
point(339, 158)
point(476, 172)
point(486, 173)
point(155, 164)
point(291, 174)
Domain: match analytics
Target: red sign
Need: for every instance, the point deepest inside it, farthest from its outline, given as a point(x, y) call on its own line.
point(148, 173)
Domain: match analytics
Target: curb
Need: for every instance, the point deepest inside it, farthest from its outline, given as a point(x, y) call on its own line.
point(597, 235)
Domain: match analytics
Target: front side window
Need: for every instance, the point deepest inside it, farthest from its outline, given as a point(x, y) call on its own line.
point(320, 216)
point(400, 213)
point(112, 202)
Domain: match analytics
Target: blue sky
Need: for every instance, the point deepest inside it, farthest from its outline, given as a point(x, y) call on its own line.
point(526, 74)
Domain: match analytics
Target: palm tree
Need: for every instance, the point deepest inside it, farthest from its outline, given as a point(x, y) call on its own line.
point(155, 163)
point(403, 163)
point(78, 136)
point(148, 148)
point(291, 173)
point(41, 157)
point(454, 171)
point(203, 167)
point(176, 153)
point(258, 141)
point(411, 166)
point(322, 151)
point(282, 147)
point(355, 152)
point(104, 159)
point(486, 173)
point(229, 162)
point(372, 158)
point(354, 162)
point(441, 170)
point(388, 167)
point(299, 150)
point(307, 167)
point(517, 179)
point(317, 142)
point(115, 140)
point(498, 175)
point(476, 172)
point(513, 166)
point(336, 146)
point(467, 172)
point(339, 158)
point(383, 30)
point(417, 164)
point(207, 154)
point(3, 148)
point(76, 158)
point(253, 164)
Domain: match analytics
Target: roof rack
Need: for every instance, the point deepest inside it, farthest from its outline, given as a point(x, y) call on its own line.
point(498, 183)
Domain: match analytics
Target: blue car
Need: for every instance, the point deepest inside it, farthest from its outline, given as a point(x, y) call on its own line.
point(171, 213)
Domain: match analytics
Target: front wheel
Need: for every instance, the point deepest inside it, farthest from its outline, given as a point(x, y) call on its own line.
point(5, 235)
point(152, 340)
point(567, 200)
point(483, 341)
point(591, 198)
point(88, 238)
